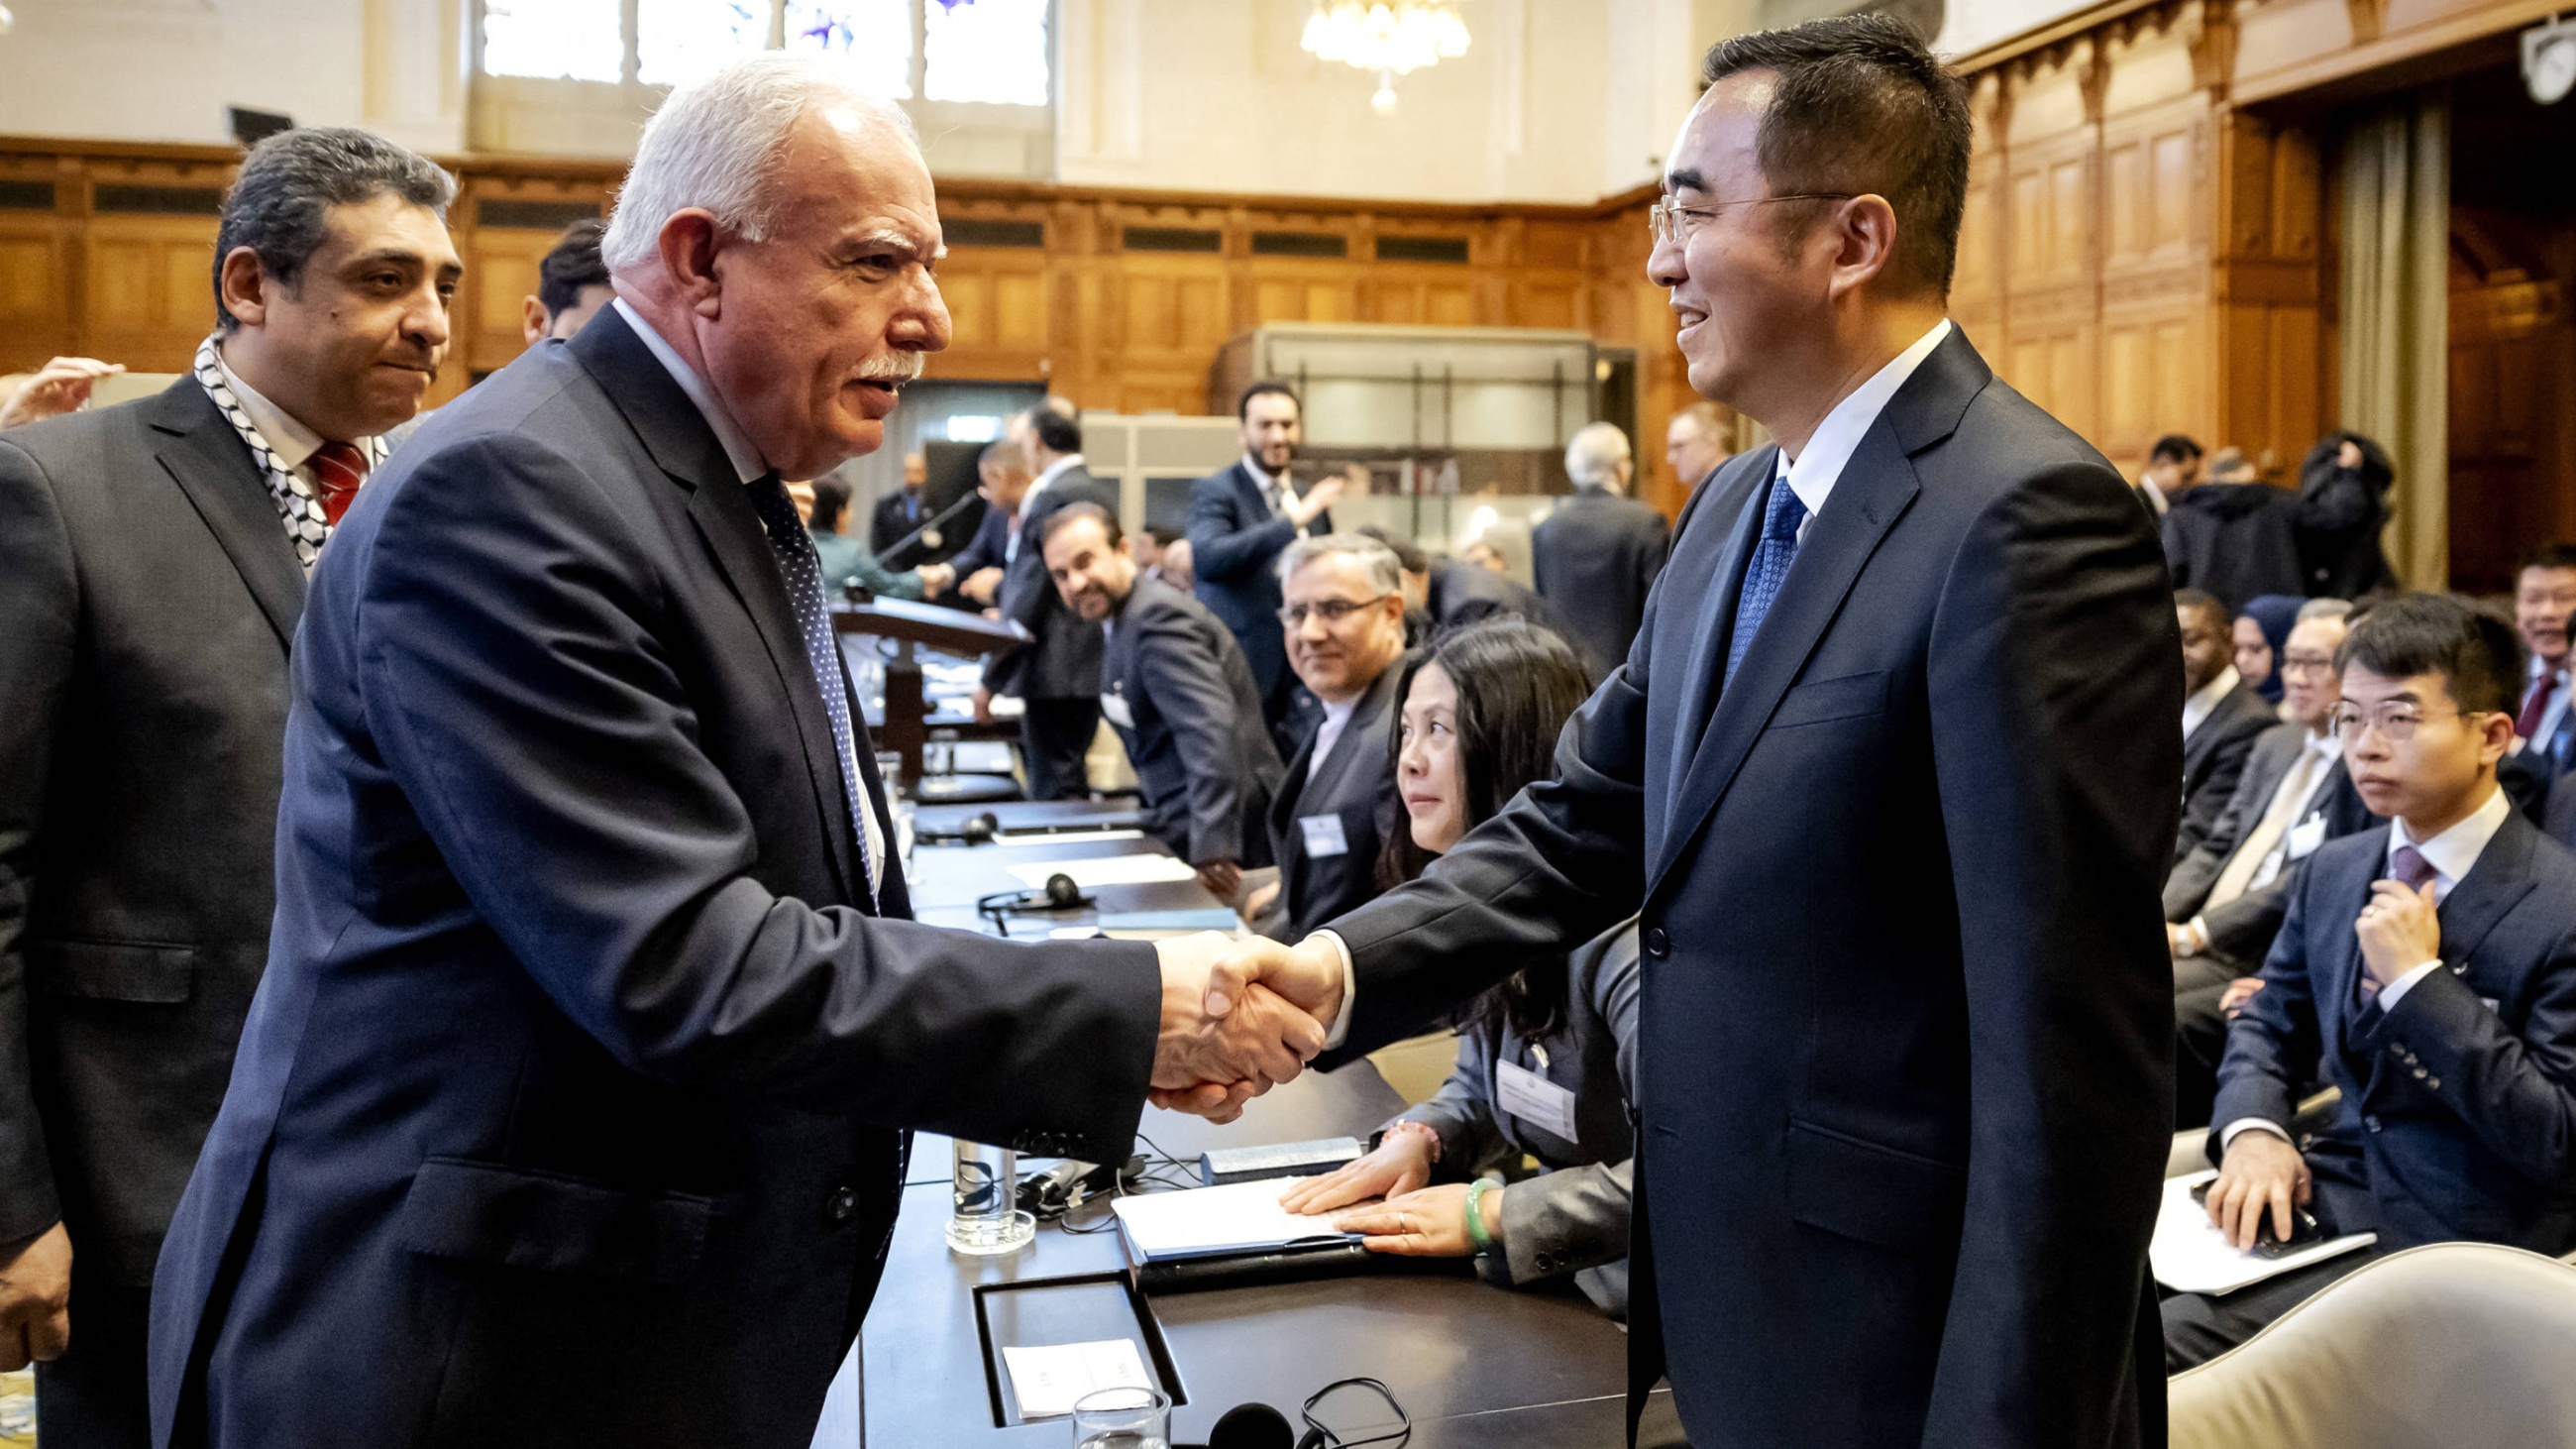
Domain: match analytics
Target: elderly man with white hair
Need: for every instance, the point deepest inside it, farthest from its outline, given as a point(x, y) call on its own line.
point(573, 1105)
point(1596, 555)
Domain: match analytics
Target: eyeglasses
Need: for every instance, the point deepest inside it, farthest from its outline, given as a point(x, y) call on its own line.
point(2302, 664)
point(1331, 611)
point(2395, 722)
point(1668, 221)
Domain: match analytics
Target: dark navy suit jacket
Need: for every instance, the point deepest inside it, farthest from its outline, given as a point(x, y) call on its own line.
point(2458, 1118)
point(1905, 1060)
point(1235, 541)
point(1192, 726)
point(570, 1109)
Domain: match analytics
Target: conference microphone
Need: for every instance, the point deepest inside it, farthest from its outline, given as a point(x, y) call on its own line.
point(1249, 1426)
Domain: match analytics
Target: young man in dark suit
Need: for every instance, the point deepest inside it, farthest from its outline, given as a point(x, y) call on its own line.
point(1891, 777)
point(1240, 519)
point(2221, 716)
point(1056, 676)
point(1596, 555)
point(1175, 687)
point(900, 512)
point(2428, 969)
point(152, 570)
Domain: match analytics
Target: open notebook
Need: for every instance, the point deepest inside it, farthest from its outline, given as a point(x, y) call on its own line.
point(1208, 1222)
point(2190, 1255)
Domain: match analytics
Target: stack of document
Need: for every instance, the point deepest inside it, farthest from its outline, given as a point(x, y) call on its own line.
point(1210, 1222)
point(2190, 1255)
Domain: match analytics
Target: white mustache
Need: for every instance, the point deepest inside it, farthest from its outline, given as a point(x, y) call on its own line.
point(901, 367)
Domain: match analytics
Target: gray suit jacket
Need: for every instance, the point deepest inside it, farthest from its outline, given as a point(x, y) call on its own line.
point(1595, 559)
point(1174, 685)
point(1355, 785)
point(147, 598)
point(1063, 659)
point(2214, 756)
point(1573, 1216)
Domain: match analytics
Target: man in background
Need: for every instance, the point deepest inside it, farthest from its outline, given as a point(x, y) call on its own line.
point(2173, 466)
point(1442, 594)
point(900, 512)
point(572, 285)
point(1695, 443)
point(2544, 599)
point(1163, 552)
point(1056, 675)
point(60, 386)
point(1002, 474)
point(2222, 715)
point(1596, 555)
point(155, 556)
point(1174, 685)
point(1240, 520)
point(2234, 535)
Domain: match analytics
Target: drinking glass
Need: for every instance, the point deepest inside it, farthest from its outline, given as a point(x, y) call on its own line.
point(983, 1216)
point(1122, 1419)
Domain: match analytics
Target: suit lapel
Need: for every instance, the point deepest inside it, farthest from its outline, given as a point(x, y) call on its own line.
point(685, 448)
point(2493, 886)
point(1346, 747)
point(1874, 490)
point(1247, 497)
point(222, 481)
point(1716, 614)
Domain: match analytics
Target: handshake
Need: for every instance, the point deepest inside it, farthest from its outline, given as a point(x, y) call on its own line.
point(1239, 1017)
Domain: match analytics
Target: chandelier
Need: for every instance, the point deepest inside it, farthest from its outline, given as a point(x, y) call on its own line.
point(1391, 37)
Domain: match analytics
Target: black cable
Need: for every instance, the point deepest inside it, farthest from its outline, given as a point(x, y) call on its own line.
point(1332, 1439)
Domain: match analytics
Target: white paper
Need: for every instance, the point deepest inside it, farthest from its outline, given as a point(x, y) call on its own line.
point(1104, 870)
point(2190, 1255)
point(1049, 1380)
point(1202, 1222)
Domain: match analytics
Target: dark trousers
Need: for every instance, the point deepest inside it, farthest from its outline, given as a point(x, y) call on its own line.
point(2200, 1035)
point(93, 1397)
point(1054, 736)
point(2199, 1327)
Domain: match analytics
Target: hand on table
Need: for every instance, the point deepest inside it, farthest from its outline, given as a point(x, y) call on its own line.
point(1257, 902)
point(1431, 1223)
point(1239, 1017)
point(59, 387)
point(2261, 1170)
point(1222, 878)
point(1400, 1164)
point(2399, 930)
point(35, 1299)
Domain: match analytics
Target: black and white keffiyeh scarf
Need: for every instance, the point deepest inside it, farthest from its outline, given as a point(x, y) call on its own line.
point(298, 507)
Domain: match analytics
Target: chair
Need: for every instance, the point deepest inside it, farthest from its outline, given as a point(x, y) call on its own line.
point(2450, 1344)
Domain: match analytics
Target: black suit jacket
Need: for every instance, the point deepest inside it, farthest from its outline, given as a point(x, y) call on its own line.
point(2238, 541)
point(2458, 1118)
point(1062, 661)
point(147, 596)
point(1595, 558)
point(1192, 726)
point(1354, 785)
point(571, 1108)
point(1905, 1073)
point(1463, 593)
point(1235, 542)
point(2560, 811)
point(987, 549)
point(2214, 756)
point(896, 514)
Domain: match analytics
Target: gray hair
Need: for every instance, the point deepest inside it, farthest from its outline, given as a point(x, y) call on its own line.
point(2324, 609)
point(1596, 453)
point(1384, 575)
point(717, 145)
point(280, 203)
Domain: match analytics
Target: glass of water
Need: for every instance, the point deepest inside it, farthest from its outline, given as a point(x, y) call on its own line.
point(1122, 1419)
point(984, 1216)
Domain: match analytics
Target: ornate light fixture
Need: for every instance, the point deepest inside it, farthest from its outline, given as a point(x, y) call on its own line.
point(1391, 37)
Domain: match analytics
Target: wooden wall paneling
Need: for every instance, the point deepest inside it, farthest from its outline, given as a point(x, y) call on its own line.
point(503, 223)
point(2274, 383)
point(148, 258)
point(40, 204)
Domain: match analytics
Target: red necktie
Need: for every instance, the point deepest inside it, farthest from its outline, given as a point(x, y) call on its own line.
point(338, 469)
point(2535, 705)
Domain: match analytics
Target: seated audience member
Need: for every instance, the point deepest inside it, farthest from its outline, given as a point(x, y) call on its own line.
point(572, 284)
point(2544, 596)
point(60, 386)
point(1546, 1060)
point(1695, 443)
point(1174, 685)
point(1343, 619)
point(1163, 552)
point(2234, 535)
point(1596, 555)
point(2343, 509)
point(1440, 595)
point(2173, 465)
point(825, 502)
point(2428, 970)
point(2221, 715)
point(2226, 898)
point(2262, 626)
point(1003, 474)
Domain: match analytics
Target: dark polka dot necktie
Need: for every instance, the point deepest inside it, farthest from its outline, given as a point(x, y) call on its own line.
point(803, 574)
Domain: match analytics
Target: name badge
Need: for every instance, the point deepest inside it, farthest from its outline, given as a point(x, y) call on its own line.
point(1115, 707)
point(1535, 1100)
point(1323, 836)
point(2306, 836)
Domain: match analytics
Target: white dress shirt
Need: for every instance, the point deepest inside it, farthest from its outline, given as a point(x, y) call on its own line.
point(1811, 476)
point(2451, 854)
point(747, 464)
point(2549, 717)
point(2156, 498)
point(2204, 701)
point(1274, 491)
point(1329, 733)
point(292, 442)
point(1038, 485)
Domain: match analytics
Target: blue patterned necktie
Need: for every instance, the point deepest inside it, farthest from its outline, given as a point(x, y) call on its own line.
point(1770, 567)
point(803, 574)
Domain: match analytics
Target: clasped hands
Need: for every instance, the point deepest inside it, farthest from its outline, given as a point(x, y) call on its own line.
point(1239, 1017)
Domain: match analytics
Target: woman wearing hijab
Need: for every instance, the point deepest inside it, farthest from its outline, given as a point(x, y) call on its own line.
point(2343, 506)
point(2260, 632)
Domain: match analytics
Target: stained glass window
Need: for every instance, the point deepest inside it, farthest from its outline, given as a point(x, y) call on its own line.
point(550, 39)
point(678, 41)
point(985, 50)
point(873, 36)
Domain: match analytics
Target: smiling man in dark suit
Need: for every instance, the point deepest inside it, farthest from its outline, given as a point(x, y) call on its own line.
point(572, 1107)
point(1891, 775)
point(152, 565)
point(1240, 520)
point(2428, 969)
point(1344, 622)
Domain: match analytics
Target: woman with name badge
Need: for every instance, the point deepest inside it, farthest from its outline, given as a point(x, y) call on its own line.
point(1545, 1059)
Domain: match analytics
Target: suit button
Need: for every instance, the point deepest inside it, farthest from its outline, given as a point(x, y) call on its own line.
point(2371, 1122)
point(2433, 1082)
point(2419, 1071)
point(1657, 943)
point(842, 1205)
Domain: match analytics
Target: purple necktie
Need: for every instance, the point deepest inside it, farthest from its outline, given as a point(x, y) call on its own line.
point(2408, 867)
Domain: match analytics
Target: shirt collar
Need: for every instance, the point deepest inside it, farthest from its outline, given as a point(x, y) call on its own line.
point(2199, 706)
point(2156, 498)
point(1260, 476)
point(2455, 850)
point(1054, 470)
point(1815, 471)
point(738, 449)
point(292, 442)
point(2539, 667)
